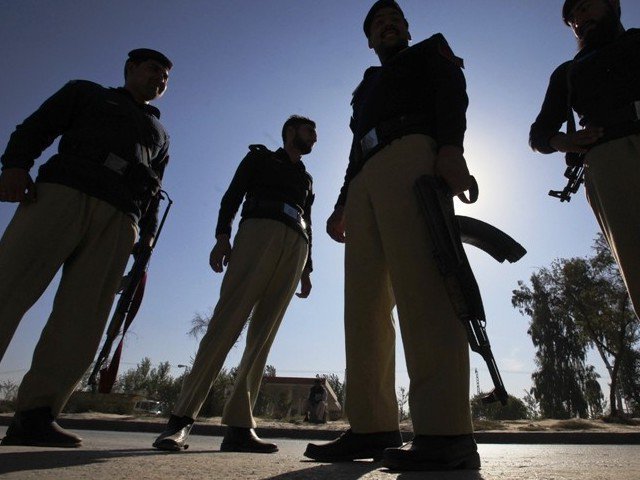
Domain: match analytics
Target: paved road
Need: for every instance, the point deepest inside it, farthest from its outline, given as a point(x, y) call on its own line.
point(118, 455)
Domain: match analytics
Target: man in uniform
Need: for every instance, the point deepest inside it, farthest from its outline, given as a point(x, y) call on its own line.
point(270, 255)
point(408, 120)
point(81, 214)
point(602, 84)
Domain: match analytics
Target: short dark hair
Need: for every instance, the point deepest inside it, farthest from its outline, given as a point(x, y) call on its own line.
point(295, 121)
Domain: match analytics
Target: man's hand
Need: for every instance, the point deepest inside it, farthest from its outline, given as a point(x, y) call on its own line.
point(335, 225)
point(220, 254)
point(452, 167)
point(305, 284)
point(16, 185)
point(576, 142)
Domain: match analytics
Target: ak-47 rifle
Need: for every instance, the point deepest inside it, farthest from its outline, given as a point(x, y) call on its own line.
point(448, 231)
point(126, 309)
point(574, 175)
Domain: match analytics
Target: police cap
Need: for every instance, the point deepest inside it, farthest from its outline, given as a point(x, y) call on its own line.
point(569, 5)
point(380, 4)
point(142, 54)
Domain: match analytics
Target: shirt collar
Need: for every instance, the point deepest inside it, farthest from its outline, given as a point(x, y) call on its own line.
point(143, 106)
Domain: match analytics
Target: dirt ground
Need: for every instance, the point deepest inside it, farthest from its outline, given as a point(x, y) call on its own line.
point(479, 425)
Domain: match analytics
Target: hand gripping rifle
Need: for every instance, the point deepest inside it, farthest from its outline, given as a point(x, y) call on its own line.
point(448, 231)
point(126, 310)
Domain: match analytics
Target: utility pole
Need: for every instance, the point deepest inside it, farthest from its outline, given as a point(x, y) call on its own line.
point(477, 382)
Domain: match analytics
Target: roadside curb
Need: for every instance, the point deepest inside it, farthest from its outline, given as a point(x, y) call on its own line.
point(496, 437)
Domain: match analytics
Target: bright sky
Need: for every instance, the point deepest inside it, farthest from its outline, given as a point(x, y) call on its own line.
point(241, 68)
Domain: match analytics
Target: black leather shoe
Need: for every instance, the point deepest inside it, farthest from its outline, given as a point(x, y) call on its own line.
point(175, 435)
point(38, 428)
point(240, 439)
point(434, 453)
point(354, 446)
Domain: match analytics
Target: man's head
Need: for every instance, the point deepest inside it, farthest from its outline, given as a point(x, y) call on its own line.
point(300, 133)
point(146, 73)
point(594, 22)
point(386, 28)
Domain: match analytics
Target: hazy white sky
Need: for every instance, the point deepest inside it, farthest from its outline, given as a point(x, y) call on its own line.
point(241, 68)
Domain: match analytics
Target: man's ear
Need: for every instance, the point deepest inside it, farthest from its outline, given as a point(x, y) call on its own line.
point(616, 5)
point(289, 133)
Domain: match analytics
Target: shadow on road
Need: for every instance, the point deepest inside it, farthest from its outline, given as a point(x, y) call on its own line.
point(59, 458)
point(356, 470)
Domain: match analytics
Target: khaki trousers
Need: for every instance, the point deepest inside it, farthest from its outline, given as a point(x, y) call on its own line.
point(264, 270)
point(389, 262)
point(612, 183)
point(92, 241)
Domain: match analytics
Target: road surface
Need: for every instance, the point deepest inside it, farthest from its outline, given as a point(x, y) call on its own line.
point(119, 455)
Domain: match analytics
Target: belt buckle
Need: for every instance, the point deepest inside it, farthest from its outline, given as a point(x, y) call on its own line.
point(369, 141)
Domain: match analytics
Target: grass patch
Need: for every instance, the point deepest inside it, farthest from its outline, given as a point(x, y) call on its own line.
point(479, 425)
point(621, 420)
point(573, 424)
point(532, 427)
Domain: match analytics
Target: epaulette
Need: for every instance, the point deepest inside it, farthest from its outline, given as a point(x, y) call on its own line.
point(368, 71)
point(155, 111)
point(445, 51)
point(258, 148)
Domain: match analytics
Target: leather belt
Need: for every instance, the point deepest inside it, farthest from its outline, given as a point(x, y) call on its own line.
point(272, 207)
point(389, 130)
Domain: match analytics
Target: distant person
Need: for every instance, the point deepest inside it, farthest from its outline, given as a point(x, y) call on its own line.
point(270, 255)
point(601, 84)
point(316, 411)
point(83, 214)
point(409, 119)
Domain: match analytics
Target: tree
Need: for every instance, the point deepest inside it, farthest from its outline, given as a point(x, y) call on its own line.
point(515, 409)
point(336, 385)
point(151, 382)
point(575, 305)
point(403, 400)
point(560, 353)
point(532, 405)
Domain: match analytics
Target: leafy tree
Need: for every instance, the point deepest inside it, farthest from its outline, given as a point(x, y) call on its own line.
point(532, 405)
point(515, 409)
point(560, 353)
point(403, 400)
point(151, 382)
point(575, 305)
point(336, 385)
point(8, 390)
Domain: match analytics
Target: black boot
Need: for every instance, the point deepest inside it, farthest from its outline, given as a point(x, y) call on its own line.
point(38, 428)
point(354, 446)
point(175, 435)
point(434, 452)
point(240, 439)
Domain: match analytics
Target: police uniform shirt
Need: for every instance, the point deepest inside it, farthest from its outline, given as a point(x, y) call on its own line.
point(423, 81)
point(266, 176)
point(104, 132)
point(601, 86)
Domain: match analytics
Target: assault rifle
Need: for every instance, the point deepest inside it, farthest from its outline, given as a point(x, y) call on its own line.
point(126, 309)
point(448, 231)
point(574, 175)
